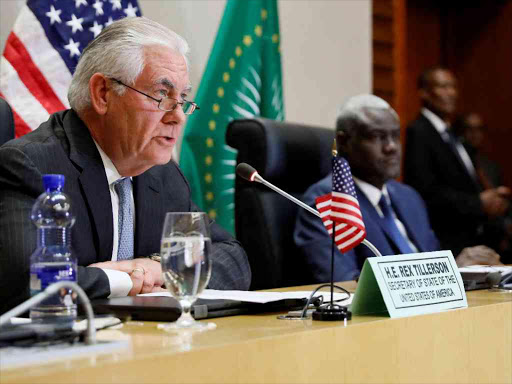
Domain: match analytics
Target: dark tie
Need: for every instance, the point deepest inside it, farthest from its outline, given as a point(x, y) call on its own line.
point(454, 143)
point(392, 229)
point(123, 189)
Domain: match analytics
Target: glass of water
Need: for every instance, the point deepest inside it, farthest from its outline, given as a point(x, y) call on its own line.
point(186, 265)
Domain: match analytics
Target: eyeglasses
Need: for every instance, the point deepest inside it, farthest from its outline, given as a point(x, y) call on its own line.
point(167, 104)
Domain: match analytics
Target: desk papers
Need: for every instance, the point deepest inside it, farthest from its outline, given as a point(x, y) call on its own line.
point(262, 297)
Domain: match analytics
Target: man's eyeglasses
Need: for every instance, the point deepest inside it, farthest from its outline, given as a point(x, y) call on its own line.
point(167, 104)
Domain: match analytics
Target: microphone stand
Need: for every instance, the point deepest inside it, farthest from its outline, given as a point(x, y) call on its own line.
point(330, 312)
point(261, 180)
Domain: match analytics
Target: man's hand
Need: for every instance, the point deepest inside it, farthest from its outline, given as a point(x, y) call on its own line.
point(495, 201)
point(477, 255)
point(146, 274)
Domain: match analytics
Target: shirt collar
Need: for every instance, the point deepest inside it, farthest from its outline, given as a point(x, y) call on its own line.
point(110, 169)
point(373, 193)
point(436, 121)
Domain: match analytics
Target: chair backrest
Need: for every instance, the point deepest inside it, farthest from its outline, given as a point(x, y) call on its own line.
point(6, 122)
point(293, 157)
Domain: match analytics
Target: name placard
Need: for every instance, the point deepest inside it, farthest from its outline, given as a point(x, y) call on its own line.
point(406, 285)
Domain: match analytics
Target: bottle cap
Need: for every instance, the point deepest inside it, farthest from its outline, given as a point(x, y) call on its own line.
point(52, 182)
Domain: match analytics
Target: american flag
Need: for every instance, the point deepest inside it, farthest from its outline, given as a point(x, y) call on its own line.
point(342, 207)
point(42, 51)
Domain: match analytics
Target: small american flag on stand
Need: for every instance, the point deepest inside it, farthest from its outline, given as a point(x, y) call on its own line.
point(342, 207)
point(43, 49)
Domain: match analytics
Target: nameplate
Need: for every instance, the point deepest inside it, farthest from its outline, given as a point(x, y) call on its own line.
point(407, 285)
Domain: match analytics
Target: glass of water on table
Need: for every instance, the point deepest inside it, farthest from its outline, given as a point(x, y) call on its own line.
point(186, 265)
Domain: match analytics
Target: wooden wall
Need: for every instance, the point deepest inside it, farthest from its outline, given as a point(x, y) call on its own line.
point(388, 42)
point(472, 38)
point(479, 50)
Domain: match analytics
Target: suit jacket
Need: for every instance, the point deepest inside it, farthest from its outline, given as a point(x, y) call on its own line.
point(451, 194)
point(314, 243)
point(64, 145)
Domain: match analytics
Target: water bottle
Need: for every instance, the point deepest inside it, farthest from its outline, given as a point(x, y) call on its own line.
point(53, 261)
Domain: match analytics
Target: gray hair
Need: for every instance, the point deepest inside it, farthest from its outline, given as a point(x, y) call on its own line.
point(361, 110)
point(118, 52)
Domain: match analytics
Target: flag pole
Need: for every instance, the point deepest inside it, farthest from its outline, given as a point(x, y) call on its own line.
point(334, 151)
point(332, 312)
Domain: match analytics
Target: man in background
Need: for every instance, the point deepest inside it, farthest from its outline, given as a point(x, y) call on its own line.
point(471, 130)
point(129, 104)
point(438, 166)
point(394, 214)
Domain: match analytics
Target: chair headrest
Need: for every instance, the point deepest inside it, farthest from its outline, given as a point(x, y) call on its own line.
point(293, 156)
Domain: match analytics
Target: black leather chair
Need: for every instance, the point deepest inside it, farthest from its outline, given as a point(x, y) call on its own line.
point(6, 122)
point(291, 156)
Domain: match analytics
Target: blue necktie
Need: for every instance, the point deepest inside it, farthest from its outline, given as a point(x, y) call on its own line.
point(392, 229)
point(123, 189)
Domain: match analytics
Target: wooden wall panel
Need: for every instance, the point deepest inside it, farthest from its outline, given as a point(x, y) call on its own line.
point(382, 35)
point(388, 51)
point(471, 38)
point(423, 46)
point(479, 41)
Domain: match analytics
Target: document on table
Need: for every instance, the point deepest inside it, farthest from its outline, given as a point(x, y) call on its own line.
point(262, 297)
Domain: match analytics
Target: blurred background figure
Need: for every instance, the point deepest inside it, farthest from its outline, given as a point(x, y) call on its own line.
point(464, 211)
point(472, 130)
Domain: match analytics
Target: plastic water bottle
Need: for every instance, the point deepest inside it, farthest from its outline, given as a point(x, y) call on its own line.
point(52, 261)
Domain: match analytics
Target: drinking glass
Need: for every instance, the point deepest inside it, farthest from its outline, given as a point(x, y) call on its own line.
point(186, 264)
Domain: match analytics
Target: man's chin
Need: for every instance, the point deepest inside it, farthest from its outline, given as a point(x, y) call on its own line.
point(393, 175)
point(161, 159)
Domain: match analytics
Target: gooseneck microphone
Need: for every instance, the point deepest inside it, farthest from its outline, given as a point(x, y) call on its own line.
point(248, 173)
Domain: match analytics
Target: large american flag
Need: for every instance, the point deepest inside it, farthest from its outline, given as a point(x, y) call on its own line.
point(342, 207)
point(42, 51)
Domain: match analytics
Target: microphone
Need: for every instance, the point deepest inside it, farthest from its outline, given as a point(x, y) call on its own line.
point(248, 173)
point(245, 171)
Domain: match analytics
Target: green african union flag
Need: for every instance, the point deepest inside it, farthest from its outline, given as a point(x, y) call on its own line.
point(242, 80)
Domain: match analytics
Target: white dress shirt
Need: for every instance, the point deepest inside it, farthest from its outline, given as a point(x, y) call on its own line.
point(374, 195)
point(120, 282)
point(441, 127)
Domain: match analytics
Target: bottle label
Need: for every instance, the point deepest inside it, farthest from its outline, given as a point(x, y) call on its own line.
point(45, 273)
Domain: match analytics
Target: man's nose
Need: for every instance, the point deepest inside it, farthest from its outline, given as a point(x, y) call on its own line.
point(176, 116)
point(391, 143)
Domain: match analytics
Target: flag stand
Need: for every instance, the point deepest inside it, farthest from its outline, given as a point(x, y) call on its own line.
point(331, 311)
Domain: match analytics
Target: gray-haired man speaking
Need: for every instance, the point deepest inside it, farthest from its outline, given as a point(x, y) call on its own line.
point(129, 105)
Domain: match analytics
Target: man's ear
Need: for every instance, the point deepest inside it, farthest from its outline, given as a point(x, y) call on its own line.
point(98, 90)
point(341, 142)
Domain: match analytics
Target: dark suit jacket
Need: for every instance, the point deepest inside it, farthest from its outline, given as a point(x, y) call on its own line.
point(451, 194)
point(63, 145)
point(314, 243)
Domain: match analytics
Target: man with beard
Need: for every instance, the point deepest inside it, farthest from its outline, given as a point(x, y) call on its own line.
point(394, 214)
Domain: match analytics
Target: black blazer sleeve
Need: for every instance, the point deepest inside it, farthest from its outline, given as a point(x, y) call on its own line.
point(230, 267)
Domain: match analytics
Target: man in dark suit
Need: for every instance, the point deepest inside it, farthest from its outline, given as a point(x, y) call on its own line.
point(438, 166)
point(128, 99)
point(395, 216)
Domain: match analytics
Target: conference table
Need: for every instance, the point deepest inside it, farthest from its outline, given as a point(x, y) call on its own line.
point(471, 345)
